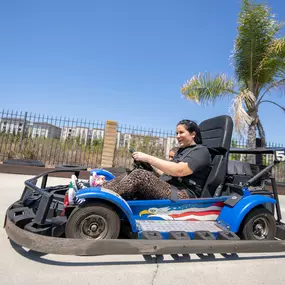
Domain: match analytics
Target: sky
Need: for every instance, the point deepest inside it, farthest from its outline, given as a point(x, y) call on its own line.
point(120, 60)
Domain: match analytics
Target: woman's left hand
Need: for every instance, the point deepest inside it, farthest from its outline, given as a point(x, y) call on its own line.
point(140, 156)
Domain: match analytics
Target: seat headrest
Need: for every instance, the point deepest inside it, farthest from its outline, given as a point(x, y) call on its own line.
point(217, 133)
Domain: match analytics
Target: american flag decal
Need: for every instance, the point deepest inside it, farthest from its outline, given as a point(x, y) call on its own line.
point(190, 212)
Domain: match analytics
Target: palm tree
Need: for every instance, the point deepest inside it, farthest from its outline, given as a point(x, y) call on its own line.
point(259, 64)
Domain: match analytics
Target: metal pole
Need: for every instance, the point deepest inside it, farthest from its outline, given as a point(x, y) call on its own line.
point(260, 174)
point(275, 193)
point(23, 131)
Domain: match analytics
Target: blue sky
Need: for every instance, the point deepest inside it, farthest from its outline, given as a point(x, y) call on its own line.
point(119, 60)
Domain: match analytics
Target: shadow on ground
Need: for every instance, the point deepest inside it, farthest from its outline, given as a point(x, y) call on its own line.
point(39, 257)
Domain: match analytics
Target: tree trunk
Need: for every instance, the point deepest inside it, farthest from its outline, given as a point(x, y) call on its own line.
point(252, 135)
point(251, 141)
point(261, 132)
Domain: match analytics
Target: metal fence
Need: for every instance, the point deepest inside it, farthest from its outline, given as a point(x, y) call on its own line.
point(61, 140)
point(278, 171)
point(52, 140)
point(151, 141)
point(158, 143)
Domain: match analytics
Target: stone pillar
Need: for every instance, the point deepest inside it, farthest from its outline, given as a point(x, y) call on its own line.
point(109, 144)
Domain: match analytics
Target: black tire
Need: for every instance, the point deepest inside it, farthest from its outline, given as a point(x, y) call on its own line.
point(259, 224)
point(93, 221)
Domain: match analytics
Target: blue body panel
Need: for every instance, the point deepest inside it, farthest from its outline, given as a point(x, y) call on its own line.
point(231, 217)
point(190, 209)
point(110, 196)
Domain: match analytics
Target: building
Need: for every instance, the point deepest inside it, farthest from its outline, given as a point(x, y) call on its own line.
point(33, 129)
point(12, 125)
point(82, 133)
point(75, 132)
point(123, 140)
point(43, 130)
point(97, 134)
point(67, 132)
point(149, 142)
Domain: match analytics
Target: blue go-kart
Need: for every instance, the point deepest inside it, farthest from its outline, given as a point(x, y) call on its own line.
point(234, 212)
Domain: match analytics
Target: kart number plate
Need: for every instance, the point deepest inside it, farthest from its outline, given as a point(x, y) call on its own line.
point(233, 200)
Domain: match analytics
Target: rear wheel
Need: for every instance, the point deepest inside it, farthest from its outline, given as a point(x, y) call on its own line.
point(93, 221)
point(259, 224)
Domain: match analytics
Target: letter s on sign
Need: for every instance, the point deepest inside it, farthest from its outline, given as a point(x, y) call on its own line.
point(280, 155)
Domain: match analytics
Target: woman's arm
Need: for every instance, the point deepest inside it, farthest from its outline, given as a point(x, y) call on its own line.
point(157, 171)
point(179, 169)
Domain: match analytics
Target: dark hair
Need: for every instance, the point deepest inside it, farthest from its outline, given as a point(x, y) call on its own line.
point(192, 127)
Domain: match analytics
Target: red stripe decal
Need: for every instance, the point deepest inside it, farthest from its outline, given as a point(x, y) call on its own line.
point(194, 214)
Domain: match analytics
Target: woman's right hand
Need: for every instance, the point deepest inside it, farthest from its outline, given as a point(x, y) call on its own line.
point(140, 156)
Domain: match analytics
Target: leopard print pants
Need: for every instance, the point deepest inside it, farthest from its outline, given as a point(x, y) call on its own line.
point(142, 185)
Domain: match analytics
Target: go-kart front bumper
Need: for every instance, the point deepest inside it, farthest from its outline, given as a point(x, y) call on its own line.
point(66, 246)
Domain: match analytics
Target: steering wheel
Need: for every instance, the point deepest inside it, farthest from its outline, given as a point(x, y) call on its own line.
point(141, 164)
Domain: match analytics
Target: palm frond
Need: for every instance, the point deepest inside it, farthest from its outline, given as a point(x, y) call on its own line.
point(205, 88)
point(280, 84)
point(272, 66)
point(256, 31)
point(241, 117)
point(274, 103)
point(277, 47)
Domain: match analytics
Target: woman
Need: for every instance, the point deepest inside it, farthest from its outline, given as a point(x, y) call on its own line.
point(187, 171)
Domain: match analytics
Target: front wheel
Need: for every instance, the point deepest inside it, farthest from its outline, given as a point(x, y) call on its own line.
point(259, 224)
point(93, 221)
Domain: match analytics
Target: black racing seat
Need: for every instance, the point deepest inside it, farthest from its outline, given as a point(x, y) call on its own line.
point(216, 136)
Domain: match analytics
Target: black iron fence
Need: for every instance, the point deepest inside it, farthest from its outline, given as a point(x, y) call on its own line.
point(158, 143)
point(52, 140)
point(61, 140)
point(151, 141)
point(278, 171)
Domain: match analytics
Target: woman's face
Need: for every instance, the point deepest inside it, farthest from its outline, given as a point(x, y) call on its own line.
point(184, 138)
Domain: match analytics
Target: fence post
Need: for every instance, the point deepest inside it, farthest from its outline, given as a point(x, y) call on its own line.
point(109, 144)
point(258, 156)
point(23, 131)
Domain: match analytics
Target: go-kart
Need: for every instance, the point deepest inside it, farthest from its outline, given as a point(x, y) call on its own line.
point(233, 213)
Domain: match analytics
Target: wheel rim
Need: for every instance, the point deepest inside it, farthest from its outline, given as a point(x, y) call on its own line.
point(93, 227)
point(260, 228)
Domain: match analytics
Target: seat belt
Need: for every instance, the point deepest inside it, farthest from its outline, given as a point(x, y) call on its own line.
point(174, 191)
